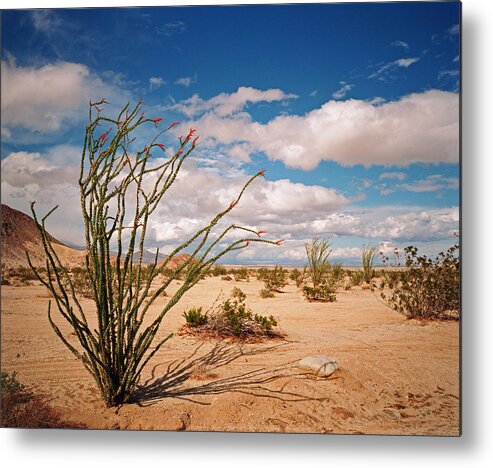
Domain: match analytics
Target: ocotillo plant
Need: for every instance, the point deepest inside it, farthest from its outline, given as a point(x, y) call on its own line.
point(119, 192)
point(318, 253)
point(367, 258)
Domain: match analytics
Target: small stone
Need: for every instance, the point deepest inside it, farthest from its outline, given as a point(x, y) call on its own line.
point(392, 412)
point(320, 365)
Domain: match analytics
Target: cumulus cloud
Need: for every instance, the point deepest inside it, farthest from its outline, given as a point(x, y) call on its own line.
point(44, 98)
point(343, 90)
point(225, 104)
point(420, 127)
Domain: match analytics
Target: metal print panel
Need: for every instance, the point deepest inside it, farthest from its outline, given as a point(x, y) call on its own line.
point(232, 218)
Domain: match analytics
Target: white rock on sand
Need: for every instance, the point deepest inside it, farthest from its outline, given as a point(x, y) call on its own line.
point(321, 365)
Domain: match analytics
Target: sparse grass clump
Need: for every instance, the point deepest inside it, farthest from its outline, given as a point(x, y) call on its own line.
point(428, 288)
point(233, 318)
point(325, 277)
point(367, 259)
point(21, 408)
point(218, 270)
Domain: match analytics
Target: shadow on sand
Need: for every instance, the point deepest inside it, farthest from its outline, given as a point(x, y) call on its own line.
point(179, 378)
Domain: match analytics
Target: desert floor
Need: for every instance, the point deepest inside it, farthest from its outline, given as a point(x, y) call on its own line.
point(397, 376)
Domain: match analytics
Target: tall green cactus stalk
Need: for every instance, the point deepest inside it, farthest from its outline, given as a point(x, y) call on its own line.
point(119, 192)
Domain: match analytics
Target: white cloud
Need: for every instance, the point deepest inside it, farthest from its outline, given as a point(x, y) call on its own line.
point(172, 28)
point(186, 81)
point(453, 30)
point(406, 62)
point(226, 104)
point(44, 98)
point(45, 20)
point(342, 91)
point(156, 82)
point(431, 184)
point(402, 44)
point(383, 72)
point(420, 127)
point(392, 175)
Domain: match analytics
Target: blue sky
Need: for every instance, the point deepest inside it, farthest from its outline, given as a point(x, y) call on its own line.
point(352, 108)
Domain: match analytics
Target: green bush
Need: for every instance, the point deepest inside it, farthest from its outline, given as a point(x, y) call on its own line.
point(240, 274)
point(323, 293)
point(275, 280)
point(194, 317)
point(238, 294)
point(428, 288)
point(266, 293)
point(367, 258)
point(234, 318)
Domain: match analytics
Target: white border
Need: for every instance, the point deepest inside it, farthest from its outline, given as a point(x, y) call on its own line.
point(95, 448)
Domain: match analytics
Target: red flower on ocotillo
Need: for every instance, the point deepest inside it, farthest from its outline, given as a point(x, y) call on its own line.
point(279, 242)
point(104, 141)
point(233, 204)
point(179, 152)
point(104, 101)
point(173, 124)
point(104, 134)
point(195, 140)
point(156, 121)
point(247, 243)
point(262, 172)
point(161, 146)
point(259, 233)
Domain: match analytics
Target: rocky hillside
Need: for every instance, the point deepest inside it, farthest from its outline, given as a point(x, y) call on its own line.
point(19, 234)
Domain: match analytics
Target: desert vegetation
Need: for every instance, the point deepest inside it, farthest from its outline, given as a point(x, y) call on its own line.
point(231, 317)
point(427, 288)
point(23, 408)
point(325, 277)
point(118, 197)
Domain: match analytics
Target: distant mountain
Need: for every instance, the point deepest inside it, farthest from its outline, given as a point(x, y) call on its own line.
point(20, 234)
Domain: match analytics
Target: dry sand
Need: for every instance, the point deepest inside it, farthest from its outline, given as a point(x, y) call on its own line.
point(397, 376)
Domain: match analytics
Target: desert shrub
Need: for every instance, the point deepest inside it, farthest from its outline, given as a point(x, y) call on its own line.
point(266, 293)
point(238, 294)
point(262, 273)
point(117, 173)
point(233, 318)
point(194, 317)
point(318, 252)
point(325, 276)
point(218, 270)
point(356, 277)
point(299, 277)
point(324, 292)
point(82, 282)
point(22, 408)
point(240, 274)
point(23, 274)
point(275, 280)
point(6, 281)
point(227, 278)
point(367, 259)
point(427, 288)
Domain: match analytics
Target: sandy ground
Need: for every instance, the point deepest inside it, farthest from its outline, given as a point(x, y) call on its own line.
point(397, 376)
